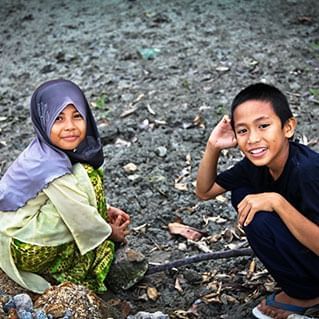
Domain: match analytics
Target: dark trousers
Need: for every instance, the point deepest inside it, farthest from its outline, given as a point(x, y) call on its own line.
point(293, 266)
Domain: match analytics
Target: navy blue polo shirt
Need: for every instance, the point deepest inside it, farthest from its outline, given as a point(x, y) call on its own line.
point(298, 183)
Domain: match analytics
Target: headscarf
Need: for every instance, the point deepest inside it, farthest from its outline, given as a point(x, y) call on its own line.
point(42, 162)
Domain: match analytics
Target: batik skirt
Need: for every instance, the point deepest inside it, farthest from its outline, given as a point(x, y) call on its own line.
point(65, 263)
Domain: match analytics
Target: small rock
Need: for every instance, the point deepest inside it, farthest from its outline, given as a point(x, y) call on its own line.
point(40, 314)
point(128, 268)
point(161, 151)
point(148, 315)
point(23, 314)
point(67, 314)
point(130, 168)
point(9, 304)
point(23, 302)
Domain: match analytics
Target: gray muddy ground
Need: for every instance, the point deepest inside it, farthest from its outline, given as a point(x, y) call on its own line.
point(159, 75)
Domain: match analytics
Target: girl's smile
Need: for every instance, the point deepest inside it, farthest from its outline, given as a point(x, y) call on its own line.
point(69, 129)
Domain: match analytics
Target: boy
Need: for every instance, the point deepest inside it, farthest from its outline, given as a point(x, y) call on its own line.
point(275, 190)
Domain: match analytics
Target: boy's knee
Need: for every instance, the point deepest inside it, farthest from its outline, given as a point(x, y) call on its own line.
point(262, 225)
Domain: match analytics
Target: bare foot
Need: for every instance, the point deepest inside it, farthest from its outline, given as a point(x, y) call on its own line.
point(282, 297)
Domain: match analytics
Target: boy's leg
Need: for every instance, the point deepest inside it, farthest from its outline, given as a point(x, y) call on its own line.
point(293, 266)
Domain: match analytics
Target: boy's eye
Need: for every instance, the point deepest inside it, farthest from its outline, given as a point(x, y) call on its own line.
point(241, 131)
point(264, 125)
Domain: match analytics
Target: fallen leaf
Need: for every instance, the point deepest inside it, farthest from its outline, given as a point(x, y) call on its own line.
point(151, 111)
point(128, 112)
point(178, 286)
point(181, 186)
point(152, 293)
point(185, 231)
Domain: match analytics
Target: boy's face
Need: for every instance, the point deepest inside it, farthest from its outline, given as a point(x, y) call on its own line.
point(69, 129)
point(260, 135)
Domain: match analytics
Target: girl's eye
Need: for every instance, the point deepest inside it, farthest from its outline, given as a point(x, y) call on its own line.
point(78, 116)
point(59, 118)
point(264, 125)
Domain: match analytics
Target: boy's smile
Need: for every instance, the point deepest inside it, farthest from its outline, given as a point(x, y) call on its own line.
point(261, 136)
point(69, 129)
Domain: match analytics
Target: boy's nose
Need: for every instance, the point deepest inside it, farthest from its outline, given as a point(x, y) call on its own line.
point(254, 137)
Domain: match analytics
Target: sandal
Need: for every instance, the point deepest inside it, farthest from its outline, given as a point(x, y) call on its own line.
point(270, 301)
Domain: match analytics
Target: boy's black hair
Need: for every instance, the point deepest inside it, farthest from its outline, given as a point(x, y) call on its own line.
point(267, 93)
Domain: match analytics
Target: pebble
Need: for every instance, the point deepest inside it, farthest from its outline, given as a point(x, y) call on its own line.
point(148, 315)
point(20, 306)
point(23, 314)
point(40, 314)
point(9, 304)
point(161, 151)
point(68, 314)
point(23, 302)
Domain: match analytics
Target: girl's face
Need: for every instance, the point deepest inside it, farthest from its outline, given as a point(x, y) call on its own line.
point(261, 136)
point(69, 129)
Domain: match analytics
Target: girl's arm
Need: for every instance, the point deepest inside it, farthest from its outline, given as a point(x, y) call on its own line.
point(222, 137)
point(302, 228)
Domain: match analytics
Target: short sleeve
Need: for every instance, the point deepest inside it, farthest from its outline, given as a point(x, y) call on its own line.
point(234, 177)
point(309, 194)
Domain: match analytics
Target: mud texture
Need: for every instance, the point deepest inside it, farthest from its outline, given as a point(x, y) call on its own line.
point(159, 75)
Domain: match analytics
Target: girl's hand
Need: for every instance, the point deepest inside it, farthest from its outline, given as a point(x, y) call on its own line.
point(254, 203)
point(119, 221)
point(223, 135)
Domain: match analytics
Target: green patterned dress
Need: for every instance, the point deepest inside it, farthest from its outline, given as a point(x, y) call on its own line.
point(65, 263)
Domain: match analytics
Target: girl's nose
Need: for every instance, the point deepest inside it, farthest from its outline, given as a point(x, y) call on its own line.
point(69, 125)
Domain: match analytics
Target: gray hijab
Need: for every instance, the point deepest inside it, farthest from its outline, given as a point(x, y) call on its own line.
point(41, 162)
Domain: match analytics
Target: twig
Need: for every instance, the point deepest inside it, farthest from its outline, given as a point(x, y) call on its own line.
point(197, 258)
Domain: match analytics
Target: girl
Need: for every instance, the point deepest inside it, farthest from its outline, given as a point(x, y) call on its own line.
point(275, 190)
point(54, 221)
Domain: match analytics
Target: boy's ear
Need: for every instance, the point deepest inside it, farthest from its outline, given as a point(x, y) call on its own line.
point(290, 127)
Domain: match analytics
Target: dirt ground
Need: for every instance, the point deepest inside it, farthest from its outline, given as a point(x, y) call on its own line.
point(159, 75)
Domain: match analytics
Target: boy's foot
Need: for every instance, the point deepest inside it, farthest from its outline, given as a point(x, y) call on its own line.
point(280, 306)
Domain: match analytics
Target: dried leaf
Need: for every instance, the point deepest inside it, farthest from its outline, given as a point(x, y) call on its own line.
point(178, 286)
point(128, 112)
point(152, 293)
point(215, 219)
point(201, 246)
point(150, 109)
point(189, 159)
point(221, 198)
point(185, 231)
point(222, 68)
point(121, 142)
point(252, 268)
point(199, 121)
point(180, 314)
point(160, 122)
point(138, 98)
point(181, 186)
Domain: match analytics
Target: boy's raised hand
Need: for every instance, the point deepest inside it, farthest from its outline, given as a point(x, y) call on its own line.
point(223, 135)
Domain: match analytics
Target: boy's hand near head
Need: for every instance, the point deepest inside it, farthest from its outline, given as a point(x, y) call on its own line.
point(222, 136)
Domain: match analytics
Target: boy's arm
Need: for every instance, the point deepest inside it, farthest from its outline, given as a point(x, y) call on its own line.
point(302, 228)
point(222, 137)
